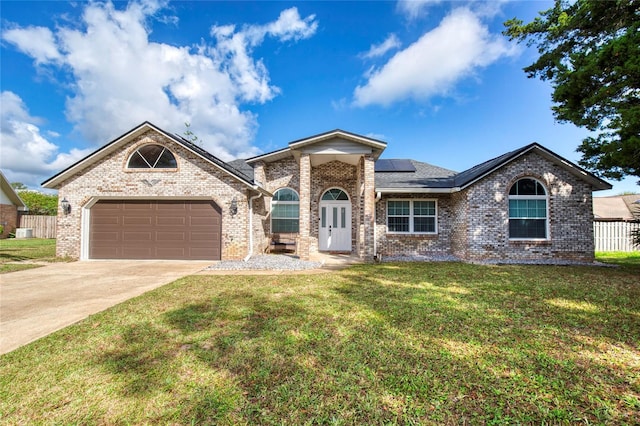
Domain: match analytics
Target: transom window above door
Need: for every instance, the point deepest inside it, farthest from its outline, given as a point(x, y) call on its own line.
point(335, 194)
point(152, 157)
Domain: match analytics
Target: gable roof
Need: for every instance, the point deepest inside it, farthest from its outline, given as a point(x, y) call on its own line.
point(11, 193)
point(440, 181)
point(376, 145)
point(118, 142)
point(618, 207)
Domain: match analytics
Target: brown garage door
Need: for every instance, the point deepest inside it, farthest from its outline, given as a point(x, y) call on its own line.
point(148, 229)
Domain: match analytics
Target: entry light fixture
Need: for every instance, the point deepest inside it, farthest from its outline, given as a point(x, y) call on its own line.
point(233, 209)
point(66, 207)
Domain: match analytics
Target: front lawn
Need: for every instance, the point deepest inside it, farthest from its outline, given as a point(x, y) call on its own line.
point(430, 343)
point(18, 254)
point(622, 258)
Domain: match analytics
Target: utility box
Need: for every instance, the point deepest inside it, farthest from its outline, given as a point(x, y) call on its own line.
point(24, 233)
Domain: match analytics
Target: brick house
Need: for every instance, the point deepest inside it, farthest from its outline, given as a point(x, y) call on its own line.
point(10, 204)
point(152, 194)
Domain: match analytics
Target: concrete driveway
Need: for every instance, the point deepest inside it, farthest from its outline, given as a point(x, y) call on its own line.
point(37, 302)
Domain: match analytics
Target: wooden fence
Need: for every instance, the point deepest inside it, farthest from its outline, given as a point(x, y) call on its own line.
point(614, 236)
point(43, 226)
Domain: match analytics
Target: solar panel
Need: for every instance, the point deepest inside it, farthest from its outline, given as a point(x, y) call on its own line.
point(394, 165)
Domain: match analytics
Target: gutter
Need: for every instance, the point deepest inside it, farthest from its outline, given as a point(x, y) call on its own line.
point(418, 190)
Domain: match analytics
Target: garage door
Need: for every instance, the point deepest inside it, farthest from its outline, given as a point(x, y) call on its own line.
point(147, 229)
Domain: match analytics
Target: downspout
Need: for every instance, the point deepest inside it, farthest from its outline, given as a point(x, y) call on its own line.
point(375, 237)
point(255, 197)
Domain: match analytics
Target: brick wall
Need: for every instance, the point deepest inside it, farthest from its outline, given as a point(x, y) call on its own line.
point(194, 178)
point(390, 245)
point(473, 224)
point(8, 219)
point(570, 215)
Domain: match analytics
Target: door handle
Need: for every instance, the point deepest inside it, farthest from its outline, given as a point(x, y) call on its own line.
point(329, 230)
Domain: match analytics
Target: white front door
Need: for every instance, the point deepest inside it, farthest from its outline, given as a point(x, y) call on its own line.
point(335, 225)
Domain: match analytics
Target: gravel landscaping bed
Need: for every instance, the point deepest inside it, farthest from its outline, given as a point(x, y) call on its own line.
point(271, 262)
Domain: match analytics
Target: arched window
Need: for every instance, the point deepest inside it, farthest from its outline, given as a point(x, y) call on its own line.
point(528, 202)
point(152, 157)
point(285, 211)
point(335, 194)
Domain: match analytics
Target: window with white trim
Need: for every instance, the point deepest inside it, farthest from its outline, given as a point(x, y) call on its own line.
point(285, 211)
point(152, 157)
point(528, 201)
point(412, 216)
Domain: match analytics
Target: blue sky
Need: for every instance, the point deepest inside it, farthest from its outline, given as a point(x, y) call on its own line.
point(434, 79)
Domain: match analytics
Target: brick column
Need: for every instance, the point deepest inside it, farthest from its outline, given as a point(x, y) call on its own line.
point(258, 173)
point(369, 207)
point(305, 206)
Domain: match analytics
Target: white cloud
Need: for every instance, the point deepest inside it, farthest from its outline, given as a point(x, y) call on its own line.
point(431, 66)
point(415, 8)
point(27, 156)
point(376, 50)
point(121, 78)
point(37, 42)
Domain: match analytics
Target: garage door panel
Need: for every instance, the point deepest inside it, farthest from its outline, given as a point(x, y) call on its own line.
point(171, 221)
point(137, 237)
point(136, 221)
point(106, 237)
point(155, 229)
point(106, 220)
point(137, 253)
point(175, 206)
point(171, 253)
point(203, 236)
point(204, 221)
point(201, 253)
point(171, 236)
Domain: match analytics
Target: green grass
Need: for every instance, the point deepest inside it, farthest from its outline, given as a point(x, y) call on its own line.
point(622, 258)
point(432, 343)
point(17, 254)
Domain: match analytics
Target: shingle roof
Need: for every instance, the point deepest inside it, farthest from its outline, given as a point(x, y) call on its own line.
point(428, 177)
point(206, 154)
point(425, 176)
point(242, 166)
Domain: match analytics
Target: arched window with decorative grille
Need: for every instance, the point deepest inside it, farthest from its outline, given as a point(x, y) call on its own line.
point(528, 210)
point(152, 157)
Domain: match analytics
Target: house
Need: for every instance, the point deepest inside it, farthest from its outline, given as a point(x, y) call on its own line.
point(10, 204)
point(617, 208)
point(152, 194)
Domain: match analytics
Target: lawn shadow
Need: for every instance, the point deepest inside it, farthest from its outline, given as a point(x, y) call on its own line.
point(480, 325)
point(394, 344)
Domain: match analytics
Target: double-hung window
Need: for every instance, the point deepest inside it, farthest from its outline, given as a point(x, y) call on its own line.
point(412, 216)
point(285, 211)
point(528, 210)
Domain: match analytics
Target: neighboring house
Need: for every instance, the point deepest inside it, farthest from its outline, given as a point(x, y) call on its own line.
point(617, 208)
point(615, 220)
point(10, 204)
point(153, 194)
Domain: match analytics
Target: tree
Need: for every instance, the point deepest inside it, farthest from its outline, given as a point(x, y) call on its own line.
point(39, 203)
point(18, 185)
point(590, 52)
point(189, 135)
